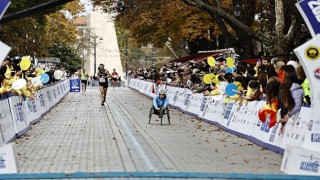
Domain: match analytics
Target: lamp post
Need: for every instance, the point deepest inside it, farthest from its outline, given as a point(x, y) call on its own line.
point(237, 12)
point(127, 55)
point(94, 56)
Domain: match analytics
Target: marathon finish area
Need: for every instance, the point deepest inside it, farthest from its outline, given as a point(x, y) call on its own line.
point(80, 135)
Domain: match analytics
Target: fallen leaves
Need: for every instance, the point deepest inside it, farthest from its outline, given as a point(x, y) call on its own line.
point(198, 126)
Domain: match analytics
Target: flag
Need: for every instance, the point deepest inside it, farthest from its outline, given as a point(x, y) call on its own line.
point(153, 89)
point(271, 110)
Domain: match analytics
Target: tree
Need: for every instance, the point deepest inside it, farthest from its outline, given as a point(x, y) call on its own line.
point(70, 59)
point(37, 33)
point(284, 22)
point(152, 21)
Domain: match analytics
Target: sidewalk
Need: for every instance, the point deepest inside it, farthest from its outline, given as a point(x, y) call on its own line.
point(81, 135)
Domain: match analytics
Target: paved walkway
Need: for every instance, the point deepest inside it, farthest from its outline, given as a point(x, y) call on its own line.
point(81, 135)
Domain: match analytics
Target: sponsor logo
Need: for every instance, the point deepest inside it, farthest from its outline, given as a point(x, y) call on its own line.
point(2, 163)
point(317, 73)
point(315, 137)
point(310, 166)
point(314, 6)
point(312, 53)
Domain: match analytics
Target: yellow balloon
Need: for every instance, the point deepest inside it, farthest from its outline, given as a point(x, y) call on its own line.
point(25, 63)
point(211, 61)
point(38, 71)
point(230, 62)
point(216, 80)
point(208, 78)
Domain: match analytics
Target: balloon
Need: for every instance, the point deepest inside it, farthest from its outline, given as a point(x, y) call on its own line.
point(211, 61)
point(208, 78)
point(25, 63)
point(229, 70)
point(38, 71)
point(216, 80)
point(18, 84)
point(44, 78)
point(230, 62)
point(36, 81)
point(231, 89)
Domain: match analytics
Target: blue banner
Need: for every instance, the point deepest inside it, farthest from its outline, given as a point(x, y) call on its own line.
point(3, 7)
point(74, 85)
point(310, 11)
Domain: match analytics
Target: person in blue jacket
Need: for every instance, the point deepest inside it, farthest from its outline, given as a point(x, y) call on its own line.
point(160, 102)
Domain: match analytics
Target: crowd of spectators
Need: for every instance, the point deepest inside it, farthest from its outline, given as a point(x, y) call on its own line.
point(10, 72)
point(273, 80)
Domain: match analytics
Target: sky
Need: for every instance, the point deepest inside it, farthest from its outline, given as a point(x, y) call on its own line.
point(87, 4)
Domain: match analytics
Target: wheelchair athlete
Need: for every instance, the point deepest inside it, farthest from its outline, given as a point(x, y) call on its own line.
point(160, 102)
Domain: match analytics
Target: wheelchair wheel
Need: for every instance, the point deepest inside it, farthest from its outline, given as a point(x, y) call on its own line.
point(150, 114)
point(161, 116)
point(168, 115)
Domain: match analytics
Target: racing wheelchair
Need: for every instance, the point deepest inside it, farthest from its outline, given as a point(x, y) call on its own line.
point(161, 113)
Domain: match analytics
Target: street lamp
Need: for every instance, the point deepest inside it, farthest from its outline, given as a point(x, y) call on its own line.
point(237, 10)
point(127, 55)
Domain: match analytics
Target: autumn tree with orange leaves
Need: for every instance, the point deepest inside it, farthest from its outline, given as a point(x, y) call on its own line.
point(190, 19)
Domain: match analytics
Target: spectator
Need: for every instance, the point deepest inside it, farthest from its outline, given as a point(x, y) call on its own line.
point(291, 95)
point(278, 66)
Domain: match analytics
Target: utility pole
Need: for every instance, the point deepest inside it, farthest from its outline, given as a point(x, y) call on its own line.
point(94, 56)
point(152, 56)
point(127, 55)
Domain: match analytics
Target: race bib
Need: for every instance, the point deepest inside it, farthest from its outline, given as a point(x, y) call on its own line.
point(102, 80)
point(114, 76)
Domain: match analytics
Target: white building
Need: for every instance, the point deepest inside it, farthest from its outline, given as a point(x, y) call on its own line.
point(102, 27)
point(98, 42)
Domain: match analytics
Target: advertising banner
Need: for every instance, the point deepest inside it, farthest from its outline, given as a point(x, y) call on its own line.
point(32, 113)
point(180, 98)
point(75, 85)
point(194, 103)
point(8, 159)
point(7, 130)
point(18, 112)
point(309, 56)
point(310, 11)
point(41, 101)
point(3, 7)
point(299, 161)
point(4, 49)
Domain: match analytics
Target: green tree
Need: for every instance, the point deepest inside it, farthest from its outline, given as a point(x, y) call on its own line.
point(70, 59)
point(35, 34)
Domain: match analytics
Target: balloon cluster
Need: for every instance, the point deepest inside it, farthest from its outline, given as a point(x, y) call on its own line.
point(231, 89)
point(26, 85)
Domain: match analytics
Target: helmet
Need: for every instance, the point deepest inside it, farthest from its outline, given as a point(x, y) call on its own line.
point(162, 91)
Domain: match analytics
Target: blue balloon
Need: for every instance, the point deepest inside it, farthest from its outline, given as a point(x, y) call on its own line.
point(44, 78)
point(231, 89)
point(229, 70)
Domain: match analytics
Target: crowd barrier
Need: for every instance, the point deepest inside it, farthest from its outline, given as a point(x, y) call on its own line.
point(243, 121)
point(18, 114)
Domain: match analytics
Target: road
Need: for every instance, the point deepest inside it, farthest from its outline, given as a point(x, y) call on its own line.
point(81, 135)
